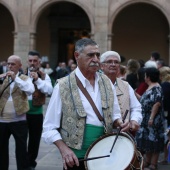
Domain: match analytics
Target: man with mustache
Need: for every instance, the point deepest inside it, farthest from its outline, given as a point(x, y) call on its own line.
point(71, 122)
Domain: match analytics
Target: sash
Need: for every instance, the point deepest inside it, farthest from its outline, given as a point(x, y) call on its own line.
point(91, 134)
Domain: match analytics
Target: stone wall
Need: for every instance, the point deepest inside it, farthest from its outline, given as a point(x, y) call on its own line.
point(101, 14)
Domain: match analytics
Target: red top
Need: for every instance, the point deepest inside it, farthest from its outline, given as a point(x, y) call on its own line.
point(141, 88)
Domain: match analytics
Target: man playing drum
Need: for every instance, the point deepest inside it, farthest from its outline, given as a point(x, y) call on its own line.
point(70, 122)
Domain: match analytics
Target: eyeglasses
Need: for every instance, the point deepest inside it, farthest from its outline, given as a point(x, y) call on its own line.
point(91, 55)
point(110, 62)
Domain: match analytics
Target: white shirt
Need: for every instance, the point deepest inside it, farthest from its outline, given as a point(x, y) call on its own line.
point(24, 85)
point(45, 86)
point(135, 107)
point(5, 69)
point(48, 71)
point(53, 115)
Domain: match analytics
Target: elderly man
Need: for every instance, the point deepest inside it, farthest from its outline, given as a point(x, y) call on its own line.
point(127, 100)
point(13, 106)
point(71, 122)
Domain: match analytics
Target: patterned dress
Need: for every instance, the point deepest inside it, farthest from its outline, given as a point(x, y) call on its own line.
point(151, 138)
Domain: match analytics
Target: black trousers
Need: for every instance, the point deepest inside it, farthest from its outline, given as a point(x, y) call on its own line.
point(20, 131)
point(35, 122)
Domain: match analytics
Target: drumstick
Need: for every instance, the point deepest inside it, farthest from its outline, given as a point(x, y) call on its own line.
point(118, 132)
point(88, 159)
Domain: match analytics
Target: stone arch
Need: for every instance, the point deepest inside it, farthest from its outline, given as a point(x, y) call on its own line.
point(12, 14)
point(8, 28)
point(135, 45)
point(41, 8)
point(59, 49)
point(122, 6)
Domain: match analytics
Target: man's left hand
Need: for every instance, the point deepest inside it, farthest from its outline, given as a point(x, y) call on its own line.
point(125, 127)
point(134, 126)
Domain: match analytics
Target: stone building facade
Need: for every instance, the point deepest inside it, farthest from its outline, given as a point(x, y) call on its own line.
point(134, 28)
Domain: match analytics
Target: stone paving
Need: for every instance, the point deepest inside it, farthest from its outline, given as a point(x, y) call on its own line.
point(49, 157)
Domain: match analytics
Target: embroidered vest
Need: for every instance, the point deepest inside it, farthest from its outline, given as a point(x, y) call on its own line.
point(73, 114)
point(122, 92)
point(19, 97)
point(38, 98)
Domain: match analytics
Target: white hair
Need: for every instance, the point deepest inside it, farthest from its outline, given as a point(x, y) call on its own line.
point(107, 54)
point(150, 64)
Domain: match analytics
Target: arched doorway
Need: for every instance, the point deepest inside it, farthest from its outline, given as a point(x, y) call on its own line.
point(6, 33)
point(140, 29)
point(58, 27)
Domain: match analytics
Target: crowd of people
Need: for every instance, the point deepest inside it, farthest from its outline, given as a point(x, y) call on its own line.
point(92, 96)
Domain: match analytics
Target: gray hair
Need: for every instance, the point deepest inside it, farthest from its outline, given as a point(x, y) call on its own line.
point(150, 64)
point(82, 43)
point(107, 54)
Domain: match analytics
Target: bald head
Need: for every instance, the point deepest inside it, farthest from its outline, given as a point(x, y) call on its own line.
point(14, 63)
point(15, 57)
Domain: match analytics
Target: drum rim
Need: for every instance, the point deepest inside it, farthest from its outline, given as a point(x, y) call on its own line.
point(107, 135)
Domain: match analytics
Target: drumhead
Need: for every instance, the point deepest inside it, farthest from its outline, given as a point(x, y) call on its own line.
point(120, 158)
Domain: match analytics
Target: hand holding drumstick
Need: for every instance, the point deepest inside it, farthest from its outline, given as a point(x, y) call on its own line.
point(118, 131)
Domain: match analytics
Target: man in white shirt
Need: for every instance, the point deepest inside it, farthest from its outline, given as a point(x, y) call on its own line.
point(110, 62)
point(13, 105)
point(43, 87)
point(70, 118)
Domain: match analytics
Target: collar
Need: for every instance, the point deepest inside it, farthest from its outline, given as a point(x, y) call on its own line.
point(17, 74)
point(83, 79)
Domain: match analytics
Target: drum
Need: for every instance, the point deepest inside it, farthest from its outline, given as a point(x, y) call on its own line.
point(124, 155)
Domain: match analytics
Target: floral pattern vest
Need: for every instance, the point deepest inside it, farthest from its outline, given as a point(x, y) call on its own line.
point(73, 114)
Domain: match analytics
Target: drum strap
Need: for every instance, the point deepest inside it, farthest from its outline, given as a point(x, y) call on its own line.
point(86, 94)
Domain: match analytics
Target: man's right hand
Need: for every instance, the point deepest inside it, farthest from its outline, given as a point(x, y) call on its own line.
point(3, 75)
point(125, 127)
point(68, 156)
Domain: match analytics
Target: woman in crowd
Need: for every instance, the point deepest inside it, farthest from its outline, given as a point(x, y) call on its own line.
point(122, 72)
point(165, 84)
point(131, 75)
point(151, 133)
point(142, 86)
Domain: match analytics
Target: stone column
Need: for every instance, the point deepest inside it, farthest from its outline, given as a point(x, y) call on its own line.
point(22, 36)
point(109, 41)
point(32, 41)
point(91, 35)
point(22, 45)
point(15, 41)
point(101, 24)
